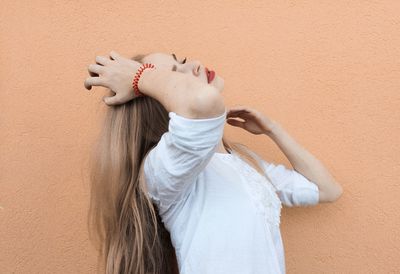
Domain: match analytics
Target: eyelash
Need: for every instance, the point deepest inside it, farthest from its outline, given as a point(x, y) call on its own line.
point(184, 60)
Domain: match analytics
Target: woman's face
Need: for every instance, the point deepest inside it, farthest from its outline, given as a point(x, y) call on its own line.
point(184, 65)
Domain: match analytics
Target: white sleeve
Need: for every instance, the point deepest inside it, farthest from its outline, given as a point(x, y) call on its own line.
point(172, 166)
point(292, 187)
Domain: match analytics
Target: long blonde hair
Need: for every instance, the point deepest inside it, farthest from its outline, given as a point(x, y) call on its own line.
point(123, 223)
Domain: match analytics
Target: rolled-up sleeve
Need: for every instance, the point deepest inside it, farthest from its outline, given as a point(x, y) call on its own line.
point(172, 166)
point(292, 187)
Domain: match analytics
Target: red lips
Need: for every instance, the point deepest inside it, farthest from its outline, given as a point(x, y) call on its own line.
point(210, 75)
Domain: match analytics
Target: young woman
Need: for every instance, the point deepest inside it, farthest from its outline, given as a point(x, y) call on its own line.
point(170, 194)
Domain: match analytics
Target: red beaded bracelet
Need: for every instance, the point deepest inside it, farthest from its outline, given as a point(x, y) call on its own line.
point(137, 76)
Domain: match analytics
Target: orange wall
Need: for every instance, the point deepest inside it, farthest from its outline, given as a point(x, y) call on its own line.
point(328, 72)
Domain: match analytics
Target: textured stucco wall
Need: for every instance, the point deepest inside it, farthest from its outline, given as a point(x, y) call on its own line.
point(328, 71)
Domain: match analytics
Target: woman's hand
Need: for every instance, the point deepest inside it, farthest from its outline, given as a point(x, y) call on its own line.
point(115, 73)
point(254, 121)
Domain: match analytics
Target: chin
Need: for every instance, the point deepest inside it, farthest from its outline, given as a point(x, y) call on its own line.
point(218, 82)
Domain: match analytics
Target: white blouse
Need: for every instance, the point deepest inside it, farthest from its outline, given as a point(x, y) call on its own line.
point(222, 215)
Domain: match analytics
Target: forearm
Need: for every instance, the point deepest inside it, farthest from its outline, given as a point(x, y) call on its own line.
point(306, 163)
point(180, 93)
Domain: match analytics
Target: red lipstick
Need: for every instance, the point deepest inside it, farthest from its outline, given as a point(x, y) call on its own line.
point(210, 75)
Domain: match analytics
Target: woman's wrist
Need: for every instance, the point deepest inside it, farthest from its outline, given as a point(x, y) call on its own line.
point(273, 128)
point(138, 75)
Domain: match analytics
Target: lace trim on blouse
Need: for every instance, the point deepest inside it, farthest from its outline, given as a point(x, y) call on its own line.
point(262, 192)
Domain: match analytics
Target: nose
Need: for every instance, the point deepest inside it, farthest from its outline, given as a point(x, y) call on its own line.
point(196, 67)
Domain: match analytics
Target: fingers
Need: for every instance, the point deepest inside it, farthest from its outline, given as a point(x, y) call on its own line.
point(240, 114)
point(235, 123)
point(239, 108)
point(94, 81)
point(114, 55)
point(95, 70)
point(101, 60)
point(112, 100)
